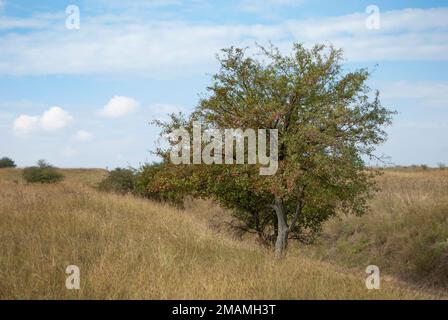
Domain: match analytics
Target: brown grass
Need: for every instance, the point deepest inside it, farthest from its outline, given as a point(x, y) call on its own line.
point(405, 234)
point(130, 248)
point(90, 177)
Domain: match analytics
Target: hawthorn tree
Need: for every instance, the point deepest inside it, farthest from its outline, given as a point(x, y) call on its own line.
point(329, 123)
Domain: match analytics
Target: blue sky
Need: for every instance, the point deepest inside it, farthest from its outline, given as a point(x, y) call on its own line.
point(84, 97)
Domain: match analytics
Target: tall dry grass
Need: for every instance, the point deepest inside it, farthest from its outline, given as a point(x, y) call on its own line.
point(405, 233)
point(90, 177)
point(132, 248)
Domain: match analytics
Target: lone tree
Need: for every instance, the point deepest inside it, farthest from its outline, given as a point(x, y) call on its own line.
point(6, 162)
point(329, 123)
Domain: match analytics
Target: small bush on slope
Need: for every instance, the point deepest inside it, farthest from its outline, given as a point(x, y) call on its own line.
point(42, 173)
point(119, 181)
point(6, 162)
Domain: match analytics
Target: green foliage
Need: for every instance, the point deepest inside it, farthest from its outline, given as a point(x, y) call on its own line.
point(156, 181)
point(162, 182)
point(42, 173)
point(6, 162)
point(328, 122)
point(119, 180)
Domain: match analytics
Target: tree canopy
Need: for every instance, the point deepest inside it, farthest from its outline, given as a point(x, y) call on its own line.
point(329, 123)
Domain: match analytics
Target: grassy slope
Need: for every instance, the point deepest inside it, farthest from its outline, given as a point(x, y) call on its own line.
point(406, 232)
point(132, 248)
point(89, 177)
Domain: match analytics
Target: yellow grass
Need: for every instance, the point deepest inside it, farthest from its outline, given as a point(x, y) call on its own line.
point(132, 248)
point(406, 232)
point(89, 177)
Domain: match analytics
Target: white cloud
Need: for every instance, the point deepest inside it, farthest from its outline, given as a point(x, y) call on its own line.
point(425, 94)
point(54, 118)
point(119, 106)
point(24, 124)
point(82, 136)
point(408, 34)
point(115, 44)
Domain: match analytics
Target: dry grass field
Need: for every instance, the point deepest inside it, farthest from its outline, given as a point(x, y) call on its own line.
point(406, 232)
point(130, 248)
point(89, 177)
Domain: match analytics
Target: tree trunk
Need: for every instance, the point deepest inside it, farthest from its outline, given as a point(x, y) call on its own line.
point(282, 229)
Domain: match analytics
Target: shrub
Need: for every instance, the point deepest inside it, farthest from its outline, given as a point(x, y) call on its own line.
point(42, 173)
point(155, 181)
point(119, 180)
point(6, 162)
point(441, 165)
